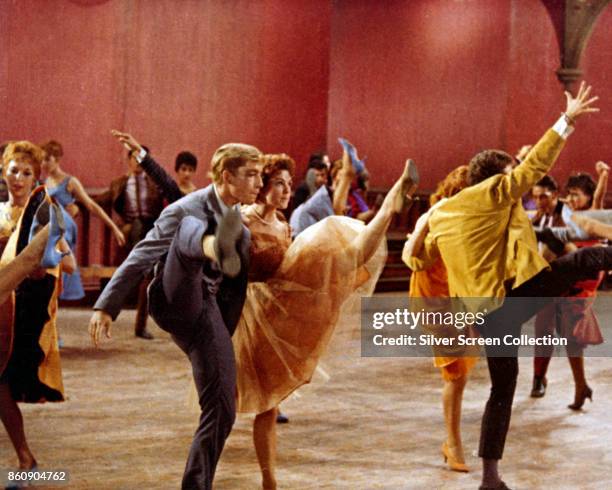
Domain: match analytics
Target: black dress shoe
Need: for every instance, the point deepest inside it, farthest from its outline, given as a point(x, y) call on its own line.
point(281, 418)
point(538, 389)
point(145, 334)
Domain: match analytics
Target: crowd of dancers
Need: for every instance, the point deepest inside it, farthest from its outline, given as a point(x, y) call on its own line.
point(252, 299)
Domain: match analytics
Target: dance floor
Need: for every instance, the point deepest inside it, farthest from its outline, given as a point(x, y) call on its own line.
point(375, 423)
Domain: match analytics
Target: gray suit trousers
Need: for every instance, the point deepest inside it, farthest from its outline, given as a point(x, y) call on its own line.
point(182, 299)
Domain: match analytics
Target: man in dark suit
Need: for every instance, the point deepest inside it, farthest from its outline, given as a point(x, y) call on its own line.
point(199, 248)
point(137, 203)
point(136, 200)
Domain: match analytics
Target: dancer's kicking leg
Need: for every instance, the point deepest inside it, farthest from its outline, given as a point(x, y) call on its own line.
point(23, 265)
point(400, 193)
point(508, 320)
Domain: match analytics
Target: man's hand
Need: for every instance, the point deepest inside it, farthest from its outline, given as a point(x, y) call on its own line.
point(100, 323)
point(601, 167)
point(581, 104)
point(127, 140)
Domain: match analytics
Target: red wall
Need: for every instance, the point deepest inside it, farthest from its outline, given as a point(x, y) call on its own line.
point(438, 81)
point(178, 74)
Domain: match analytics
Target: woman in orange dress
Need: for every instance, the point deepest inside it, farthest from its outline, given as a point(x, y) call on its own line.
point(433, 283)
point(29, 366)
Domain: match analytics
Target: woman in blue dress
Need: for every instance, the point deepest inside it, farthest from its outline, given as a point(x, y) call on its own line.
point(66, 189)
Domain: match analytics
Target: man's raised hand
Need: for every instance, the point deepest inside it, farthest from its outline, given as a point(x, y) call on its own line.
point(580, 104)
point(601, 167)
point(127, 140)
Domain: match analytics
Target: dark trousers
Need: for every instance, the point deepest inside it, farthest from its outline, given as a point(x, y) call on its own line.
point(508, 320)
point(181, 305)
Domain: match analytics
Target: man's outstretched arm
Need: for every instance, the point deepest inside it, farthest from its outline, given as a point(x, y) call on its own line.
point(158, 174)
point(543, 155)
point(142, 258)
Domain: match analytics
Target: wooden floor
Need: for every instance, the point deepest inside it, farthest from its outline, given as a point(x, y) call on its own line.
point(376, 423)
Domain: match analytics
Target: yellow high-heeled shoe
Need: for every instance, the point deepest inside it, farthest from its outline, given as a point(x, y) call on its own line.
point(452, 462)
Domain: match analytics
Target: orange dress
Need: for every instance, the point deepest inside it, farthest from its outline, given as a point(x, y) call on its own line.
point(433, 283)
point(294, 299)
point(29, 357)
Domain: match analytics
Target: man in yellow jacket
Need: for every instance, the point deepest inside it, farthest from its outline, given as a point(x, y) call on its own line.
point(490, 251)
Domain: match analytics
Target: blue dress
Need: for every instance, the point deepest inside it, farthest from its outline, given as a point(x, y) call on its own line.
point(72, 286)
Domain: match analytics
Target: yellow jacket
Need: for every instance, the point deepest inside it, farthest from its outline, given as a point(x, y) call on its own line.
point(483, 234)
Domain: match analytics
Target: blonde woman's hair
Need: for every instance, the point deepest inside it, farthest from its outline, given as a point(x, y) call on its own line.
point(23, 151)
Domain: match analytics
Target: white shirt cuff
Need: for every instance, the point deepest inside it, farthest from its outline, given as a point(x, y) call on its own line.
point(140, 156)
point(562, 127)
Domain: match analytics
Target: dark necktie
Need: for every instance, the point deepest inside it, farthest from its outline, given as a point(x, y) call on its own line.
point(138, 203)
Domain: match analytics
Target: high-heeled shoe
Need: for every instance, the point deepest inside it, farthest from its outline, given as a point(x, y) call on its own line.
point(51, 214)
point(358, 165)
point(452, 461)
point(538, 390)
point(581, 397)
point(408, 182)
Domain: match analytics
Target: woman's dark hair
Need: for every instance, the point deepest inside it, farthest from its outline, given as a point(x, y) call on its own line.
point(185, 158)
point(584, 182)
point(53, 148)
point(273, 163)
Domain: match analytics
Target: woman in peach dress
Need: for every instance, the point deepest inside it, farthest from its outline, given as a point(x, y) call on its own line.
point(454, 366)
point(296, 293)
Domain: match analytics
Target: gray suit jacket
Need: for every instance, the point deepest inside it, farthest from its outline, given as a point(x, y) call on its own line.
point(201, 204)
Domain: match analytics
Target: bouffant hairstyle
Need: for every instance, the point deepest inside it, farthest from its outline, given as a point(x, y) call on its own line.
point(23, 151)
point(3, 146)
point(185, 158)
point(53, 148)
point(487, 164)
point(451, 185)
point(272, 164)
point(584, 182)
point(230, 157)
